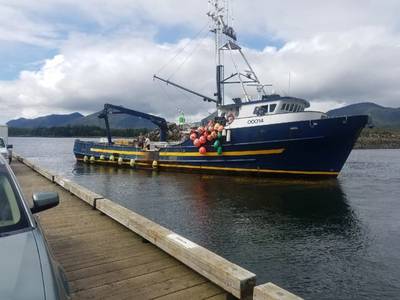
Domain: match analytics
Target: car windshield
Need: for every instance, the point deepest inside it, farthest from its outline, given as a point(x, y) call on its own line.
point(12, 216)
point(2, 145)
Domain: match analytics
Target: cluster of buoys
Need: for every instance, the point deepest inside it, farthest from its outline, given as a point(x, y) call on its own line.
point(212, 133)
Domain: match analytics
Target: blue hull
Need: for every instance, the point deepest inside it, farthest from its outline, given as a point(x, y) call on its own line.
point(316, 148)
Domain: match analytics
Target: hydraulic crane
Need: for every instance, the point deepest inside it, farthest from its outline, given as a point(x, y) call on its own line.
point(116, 109)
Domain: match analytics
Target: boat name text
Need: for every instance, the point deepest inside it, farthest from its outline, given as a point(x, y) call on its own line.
point(255, 121)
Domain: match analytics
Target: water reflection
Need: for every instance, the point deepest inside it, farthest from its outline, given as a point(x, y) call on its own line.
point(276, 208)
point(304, 199)
point(222, 203)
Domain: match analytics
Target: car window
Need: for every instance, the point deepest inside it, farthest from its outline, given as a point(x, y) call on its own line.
point(12, 216)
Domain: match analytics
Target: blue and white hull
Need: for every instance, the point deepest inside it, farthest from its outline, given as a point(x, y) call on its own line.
point(316, 148)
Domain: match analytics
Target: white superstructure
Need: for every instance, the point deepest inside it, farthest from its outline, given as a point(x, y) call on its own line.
point(268, 111)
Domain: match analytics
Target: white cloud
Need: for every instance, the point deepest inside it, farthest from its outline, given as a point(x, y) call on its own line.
point(336, 52)
point(93, 71)
point(17, 26)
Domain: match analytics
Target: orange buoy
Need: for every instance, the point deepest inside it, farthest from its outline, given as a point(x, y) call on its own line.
point(203, 139)
point(209, 137)
point(203, 150)
point(200, 130)
point(197, 143)
point(220, 128)
point(214, 135)
point(193, 136)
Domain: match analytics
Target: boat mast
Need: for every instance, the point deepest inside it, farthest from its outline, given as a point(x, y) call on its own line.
point(225, 40)
point(216, 14)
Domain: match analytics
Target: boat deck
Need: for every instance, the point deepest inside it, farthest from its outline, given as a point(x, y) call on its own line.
point(105, 260)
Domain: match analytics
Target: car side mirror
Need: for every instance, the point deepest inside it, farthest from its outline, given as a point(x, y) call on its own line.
point(9, 146)
point(44, 200)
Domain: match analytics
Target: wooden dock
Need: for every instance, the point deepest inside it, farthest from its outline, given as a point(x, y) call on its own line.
point(110, 252)
point(103, 259)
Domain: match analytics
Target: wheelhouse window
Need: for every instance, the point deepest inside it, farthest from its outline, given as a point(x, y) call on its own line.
point(11, 212)
point(291, 107)
point(265, 109)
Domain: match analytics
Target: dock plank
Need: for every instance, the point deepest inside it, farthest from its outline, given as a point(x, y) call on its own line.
point(201, 291)
point(105, 260)
point(124, 272)
point(134, 285)
point(105, 268)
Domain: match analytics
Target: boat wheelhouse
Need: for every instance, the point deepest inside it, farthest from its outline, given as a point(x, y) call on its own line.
point(274, 108)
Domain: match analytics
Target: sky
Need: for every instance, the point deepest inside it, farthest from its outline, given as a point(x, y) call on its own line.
point(62, 56)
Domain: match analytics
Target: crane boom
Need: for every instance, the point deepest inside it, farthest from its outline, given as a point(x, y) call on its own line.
point(116, 109)
point(205, 98)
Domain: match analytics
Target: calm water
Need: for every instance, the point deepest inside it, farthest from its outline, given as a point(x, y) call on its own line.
point(335, 239)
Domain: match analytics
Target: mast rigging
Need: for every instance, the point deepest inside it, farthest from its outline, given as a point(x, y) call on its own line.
point(225, 40)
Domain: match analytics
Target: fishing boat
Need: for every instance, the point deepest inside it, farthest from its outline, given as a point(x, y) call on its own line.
point(268, 134)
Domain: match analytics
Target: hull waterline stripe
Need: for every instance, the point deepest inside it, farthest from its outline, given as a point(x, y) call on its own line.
point(226, 168)
point(227, 153)
point(110, 151)
point(193, 154)
point(115, 162)
point(250, 170)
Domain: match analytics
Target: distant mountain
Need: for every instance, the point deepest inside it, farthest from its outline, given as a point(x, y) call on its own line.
point(116, 121)
point(45, 121)
point(381, 116)
point(77, 119)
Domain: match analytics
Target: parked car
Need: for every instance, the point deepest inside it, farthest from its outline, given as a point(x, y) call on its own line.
point(28, 269)
point(5, 148)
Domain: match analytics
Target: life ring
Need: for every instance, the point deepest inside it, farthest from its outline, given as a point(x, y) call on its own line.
point(230, 118)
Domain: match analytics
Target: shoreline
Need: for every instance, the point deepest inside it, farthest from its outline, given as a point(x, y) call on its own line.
point(369, 139)
point(378, 138)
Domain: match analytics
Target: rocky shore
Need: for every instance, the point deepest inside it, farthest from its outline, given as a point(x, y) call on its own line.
point(379, 138)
